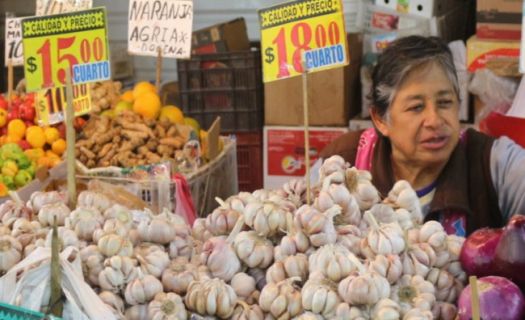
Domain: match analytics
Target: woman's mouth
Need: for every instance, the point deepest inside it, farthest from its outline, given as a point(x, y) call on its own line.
point(435, 143)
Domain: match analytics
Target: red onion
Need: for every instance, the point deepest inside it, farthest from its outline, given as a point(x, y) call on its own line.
point(477, 253)
point(510, 252)
point(499, 298)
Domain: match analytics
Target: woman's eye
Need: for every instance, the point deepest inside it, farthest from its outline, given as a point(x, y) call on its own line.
point(416, 108)
point(445, 103)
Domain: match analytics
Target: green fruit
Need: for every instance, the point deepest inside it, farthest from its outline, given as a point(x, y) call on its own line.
point(9, 182)
point(121, 106)
point(22, 178)
point(193, 123)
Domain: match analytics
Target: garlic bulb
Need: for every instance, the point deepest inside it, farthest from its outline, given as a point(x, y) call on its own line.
point(247, 312)
point(454, 245)
point(382, 239)
point(182, 244)
point(319, 295)
point(333, 164)
point(294, 242)
point(153, 260)
point(418, 314)
point(332, 261)
point(359, 183)
point(318, 226)
point(413, 292)
point(266, 218)
point(117, 273)
point(95, 200)
point(386, 309)
point(219, 255)
point(338, 194)
point(418, 259)
point(403, 196)
point(444, 311)
point(382, 213)
point(4, 230)
point(114, 301)
point(295, 191)
point(142, 289)
point(253, 250)
point(199, 230)
point(39, 199)
point(92, 263)
point(24, 230)
point(110, 226)
point(344, 312)
point(11, 210)
point(10, 252)
point(178, 275)
point(222, 220)
point(137, 312)
point(243, 285)
point(112, 244)
point(211, 297)
point(167, 306)
point(388, 266)
point(282, 300)
point(443, 281)
point(85, 221)
point(363, 287)
point(432, 232)
point(349, 236)
point(121, 214)
point(32, 246)
point(158, 230)
point(455, 269)
point(66, 238)
point(48, 212)
point(295, 266)
point(259, 276)
point(404, 219)
point(309, 316)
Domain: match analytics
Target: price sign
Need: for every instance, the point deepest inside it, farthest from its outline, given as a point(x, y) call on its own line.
point(51, 103)
point(14, 50)
point(309, 30)
point(75, 40)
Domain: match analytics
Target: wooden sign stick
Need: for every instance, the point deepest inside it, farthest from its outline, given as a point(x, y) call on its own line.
point(159, 69)
point(474, 296)
point(70, 146)
point(10, 83)
point(306, 131)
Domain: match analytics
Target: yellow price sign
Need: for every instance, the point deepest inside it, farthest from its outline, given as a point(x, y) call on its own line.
point(76, 40)
point(51, 103)
point(312, 31)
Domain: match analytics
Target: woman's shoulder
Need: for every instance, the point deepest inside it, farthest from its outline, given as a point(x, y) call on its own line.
point(345, 146)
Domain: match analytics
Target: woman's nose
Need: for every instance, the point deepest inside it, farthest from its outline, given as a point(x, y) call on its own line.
point(433, 118)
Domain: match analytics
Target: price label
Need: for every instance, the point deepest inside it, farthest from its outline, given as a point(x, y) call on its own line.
point(14, 50)
point(51, 103)
point(75, 40)
point(306, 30)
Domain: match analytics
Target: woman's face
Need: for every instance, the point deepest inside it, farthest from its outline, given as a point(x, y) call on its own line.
point(422, 122)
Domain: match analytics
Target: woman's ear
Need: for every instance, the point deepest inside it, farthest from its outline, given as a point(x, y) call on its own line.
point(379, 122)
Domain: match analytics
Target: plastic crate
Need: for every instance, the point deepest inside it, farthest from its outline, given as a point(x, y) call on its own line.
point(11, 312)
point(218, 178)
point(228, 85)
point(249, 160)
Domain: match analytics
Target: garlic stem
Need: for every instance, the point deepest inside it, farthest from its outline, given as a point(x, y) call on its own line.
point(289, 224)
point(372, 219)
point(333, 211)
point(244, 305)
point(16, 198)
point(360, 267)
point(236, 229)
point(221, 202)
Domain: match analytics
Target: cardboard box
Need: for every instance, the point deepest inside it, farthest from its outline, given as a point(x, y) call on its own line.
point(334, 95)
point(283, 151)
point(223, 37)
point(499, 19)
point(479, 52)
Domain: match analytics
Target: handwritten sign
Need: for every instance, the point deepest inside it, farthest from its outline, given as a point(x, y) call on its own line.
point(14, 50)
point(48, 7)
point(309, 30)
point(164, 24)
point(75, 40)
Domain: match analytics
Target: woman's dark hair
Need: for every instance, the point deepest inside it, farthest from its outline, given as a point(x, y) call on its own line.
point(403, 56)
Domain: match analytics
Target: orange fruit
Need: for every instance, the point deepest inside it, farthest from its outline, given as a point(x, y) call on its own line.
point(36, 137)
point(16, 127)
point(51, 134)
point(172, 113)
point(59, 146)
point(127, 96)
point(147, 105)
point(143, 87)
point(12, 138)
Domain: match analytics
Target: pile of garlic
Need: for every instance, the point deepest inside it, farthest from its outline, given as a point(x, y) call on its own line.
point(261, 255)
